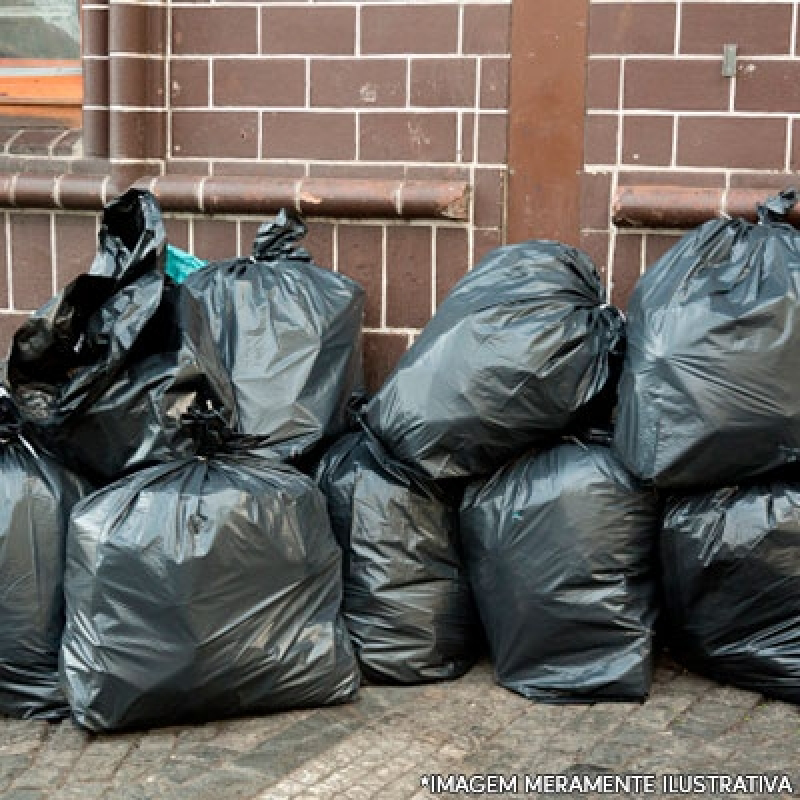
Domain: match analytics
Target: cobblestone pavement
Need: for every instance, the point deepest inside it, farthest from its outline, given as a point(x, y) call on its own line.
point(381, 745)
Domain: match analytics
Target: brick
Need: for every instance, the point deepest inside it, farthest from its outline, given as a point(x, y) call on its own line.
point(382, 351)
point(361, 258)
point(214, 239)
point(492, 138)
point(136, 26)
point(94, 31)
point(309, 135)
point(452, 259)
point(600, 139)
point(627, 267)
point(177, 232)
point(408, 276)
point(437, 82)
point(189, 82)
point(494, 83)
point(489, 198)
point(357, 170)
point(95, 82)
point(484, 240)
point(408, 136)
point(130, 89)
point(729, 142)
point(757, 28)
point(704, 180)
point(222, 134)
point(31, 260)
point(310, 30)
point(319, 242)
point(417, 28)
point(76, 245)
point(770, 182)
point(647, 140)
point(675, 85)
point(445, 172)
point(631, 28)
point(263, 168)
point(487, 29)
point(259, 82)
point(656, 244)
point(210, 30)
point(595, 245)
point(768, 86)
point(595, 200)
point(355, 83)
point(602, 84)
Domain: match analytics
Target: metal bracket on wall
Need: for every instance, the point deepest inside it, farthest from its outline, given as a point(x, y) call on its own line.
point(728, 60)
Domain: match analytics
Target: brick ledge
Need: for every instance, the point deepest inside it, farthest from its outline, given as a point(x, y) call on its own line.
point(685, 207)
point(312, 197)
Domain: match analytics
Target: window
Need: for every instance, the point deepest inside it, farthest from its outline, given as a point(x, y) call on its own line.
point(40, 68)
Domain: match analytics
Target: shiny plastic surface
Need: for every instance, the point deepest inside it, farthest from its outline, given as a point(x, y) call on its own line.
point(289, 333)
point(407, 602)
point(561, 549)
point(708, 395)
point(731, 566)
point(103, 372)
point(36, 496)
point(513, 356)
point(206, 588)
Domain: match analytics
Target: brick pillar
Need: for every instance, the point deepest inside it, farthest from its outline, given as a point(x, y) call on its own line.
point(137, 90)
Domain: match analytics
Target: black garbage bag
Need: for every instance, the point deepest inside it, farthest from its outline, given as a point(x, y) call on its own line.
point(519, 350)
point(708, 393)
point(407, 602)
point(290, 336)
point(36, 496)
point(104, 370)
point(731, 574)
point(206, 588)
point(561, 552)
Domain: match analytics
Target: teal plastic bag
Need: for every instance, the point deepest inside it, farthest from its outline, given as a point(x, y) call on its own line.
point(180, 263)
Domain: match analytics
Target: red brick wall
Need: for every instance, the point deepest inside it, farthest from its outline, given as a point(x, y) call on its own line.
point(296, 89)
point(659, 112)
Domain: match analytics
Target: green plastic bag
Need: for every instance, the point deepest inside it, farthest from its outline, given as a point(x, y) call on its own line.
point(180, 263)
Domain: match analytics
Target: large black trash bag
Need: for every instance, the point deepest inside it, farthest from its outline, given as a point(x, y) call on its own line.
point(103, 372)
point(36, 496)
point(708, 395)
point(290, 336)
point(407, 602)
point(731, 574)
point(516, 353)
point(561, 551)
point(206, 588)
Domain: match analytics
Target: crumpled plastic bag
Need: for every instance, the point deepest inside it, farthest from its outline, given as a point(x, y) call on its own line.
point(523, 348)
point(206, 588)
point(36, 496)
point(708, 394)
point(103, 372)
point(289, 333)
point(407, 602)
point(731, 574)
point(561, 551)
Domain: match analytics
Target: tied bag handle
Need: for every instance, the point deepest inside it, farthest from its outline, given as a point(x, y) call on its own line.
point(775, 209)
point(276, 240)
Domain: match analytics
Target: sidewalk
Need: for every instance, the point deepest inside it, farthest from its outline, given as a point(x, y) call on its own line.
point(381, 745)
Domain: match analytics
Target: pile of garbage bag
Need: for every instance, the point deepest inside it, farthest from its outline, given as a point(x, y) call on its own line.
point(537, 474)
point(710, 414)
